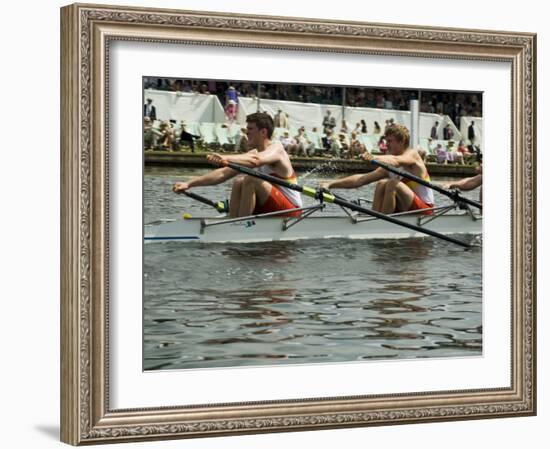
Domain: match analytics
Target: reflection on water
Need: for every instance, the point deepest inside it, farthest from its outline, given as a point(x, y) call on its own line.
point(222, 305)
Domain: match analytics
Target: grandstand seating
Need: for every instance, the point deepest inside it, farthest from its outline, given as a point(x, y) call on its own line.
point(208, 132)
point(293, 130)
point(222, 135)
point(316, 138)
point(279, 132)
point(227, 136)
point(193, 128)
point(423, 143)
point(367, 141)
point(234, 131)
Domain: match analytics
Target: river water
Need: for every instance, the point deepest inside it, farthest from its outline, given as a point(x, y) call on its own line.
point(326, 301)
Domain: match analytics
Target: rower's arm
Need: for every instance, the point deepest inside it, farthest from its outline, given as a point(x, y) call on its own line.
point(250, 159)
point(214, 177)
point(466, 183)
point(407, 159)
point(355, 181)
point(254, 158)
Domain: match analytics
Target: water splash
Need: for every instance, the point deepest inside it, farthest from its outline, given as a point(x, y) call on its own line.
point(329, 166)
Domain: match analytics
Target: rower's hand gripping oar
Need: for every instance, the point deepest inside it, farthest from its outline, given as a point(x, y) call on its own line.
point(220, 206)
point(324, 196)
point(452, 194)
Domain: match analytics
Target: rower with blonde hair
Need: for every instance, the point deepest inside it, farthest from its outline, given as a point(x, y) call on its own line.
point(394, 193)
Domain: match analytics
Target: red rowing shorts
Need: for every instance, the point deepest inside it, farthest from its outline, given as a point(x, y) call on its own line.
point(419, 204)
point(277, 201)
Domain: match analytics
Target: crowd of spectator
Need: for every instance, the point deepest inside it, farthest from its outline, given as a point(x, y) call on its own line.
point(396, 99)
point(453, 104)
point(340, 140)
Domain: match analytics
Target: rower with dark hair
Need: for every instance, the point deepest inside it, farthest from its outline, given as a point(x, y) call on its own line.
point(394, 193)
point(249, 194)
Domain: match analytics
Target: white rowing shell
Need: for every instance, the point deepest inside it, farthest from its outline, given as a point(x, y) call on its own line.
point(211, 229)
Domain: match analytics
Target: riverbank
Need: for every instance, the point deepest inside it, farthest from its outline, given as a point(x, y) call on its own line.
point(186, 159)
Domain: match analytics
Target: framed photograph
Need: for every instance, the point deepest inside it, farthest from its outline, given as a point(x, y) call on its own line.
point(182, 321)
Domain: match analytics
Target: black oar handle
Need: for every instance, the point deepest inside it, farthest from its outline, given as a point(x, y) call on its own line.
point(220, 205)
point(454, 195)
point(198, 197)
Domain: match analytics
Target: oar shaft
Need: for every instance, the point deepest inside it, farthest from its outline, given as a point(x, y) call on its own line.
point(404, 174)
point(314, 193)
point(341, 202)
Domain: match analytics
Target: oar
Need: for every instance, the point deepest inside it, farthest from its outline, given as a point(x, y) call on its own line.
point(220, 206)
point(325, 196)
point(454, 195)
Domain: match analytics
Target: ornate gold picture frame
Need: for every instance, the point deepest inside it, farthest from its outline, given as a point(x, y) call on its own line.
point(87, 415)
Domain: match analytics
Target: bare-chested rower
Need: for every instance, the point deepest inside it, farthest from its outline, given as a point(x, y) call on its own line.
point(251, 195)
point(394, 193)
